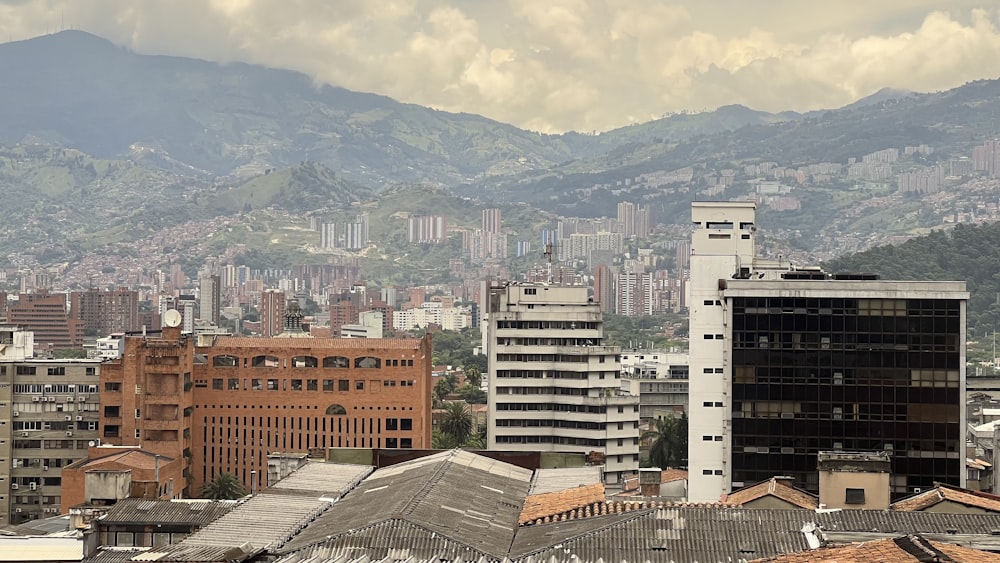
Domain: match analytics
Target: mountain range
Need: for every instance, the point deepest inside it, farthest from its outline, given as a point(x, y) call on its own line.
point(166, 140)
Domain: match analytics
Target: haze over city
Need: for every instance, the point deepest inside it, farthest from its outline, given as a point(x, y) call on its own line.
point(585, 65)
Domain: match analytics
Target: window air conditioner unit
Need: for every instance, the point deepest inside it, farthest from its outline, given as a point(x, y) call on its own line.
point(917, 490)
point(81, 399)
point(16, 413)
point(45, 468)
point(78, 417)
point(18, 510)
point(14, 487)
point(36, 461)
point(68, 417)
point(24, 434)
point(33, 486)
point(35, 399)
point(69, 433)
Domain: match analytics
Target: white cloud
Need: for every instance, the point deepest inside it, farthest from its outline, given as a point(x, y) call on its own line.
point(564, 64)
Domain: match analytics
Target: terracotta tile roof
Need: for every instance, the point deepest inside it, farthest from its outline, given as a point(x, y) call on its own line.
point(133, 458)
point(773, 487)
point(331, 343)
point(606, 508)
point(893, 550)
point(926, 499)
point(558, 502)
point(670, 474)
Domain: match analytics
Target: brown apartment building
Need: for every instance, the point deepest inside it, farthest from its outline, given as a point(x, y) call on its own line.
point(47, 316)
point(224, 403)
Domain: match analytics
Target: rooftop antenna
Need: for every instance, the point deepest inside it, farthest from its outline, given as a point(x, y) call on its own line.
point(547, 252)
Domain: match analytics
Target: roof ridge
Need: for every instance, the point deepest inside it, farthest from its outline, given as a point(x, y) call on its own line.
point(429, 484)
point(628, 517)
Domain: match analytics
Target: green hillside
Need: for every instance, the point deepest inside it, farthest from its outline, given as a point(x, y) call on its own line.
point(965, 253)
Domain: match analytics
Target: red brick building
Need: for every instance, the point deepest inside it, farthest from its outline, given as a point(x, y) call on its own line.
point(47, 316)
point(224, 403)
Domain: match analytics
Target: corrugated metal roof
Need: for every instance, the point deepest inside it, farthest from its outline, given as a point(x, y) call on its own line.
point(191, 512)
point(331, 480)
point(115, 554)
point(552, 480)
point(718, 534)
point(41, 527)
point(264, 521)
point(472, 500)
point(189, 553)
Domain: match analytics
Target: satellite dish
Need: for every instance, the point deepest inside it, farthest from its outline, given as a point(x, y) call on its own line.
point(172, 317)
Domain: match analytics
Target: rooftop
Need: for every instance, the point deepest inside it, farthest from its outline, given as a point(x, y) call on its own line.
point(895, 550)
point(192, 512)
point(941, 493)
point(329, 480)
point(559, 502)
point(775, 488)
point(261, 343)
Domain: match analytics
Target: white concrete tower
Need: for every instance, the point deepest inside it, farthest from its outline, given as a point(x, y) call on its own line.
point(722, 247)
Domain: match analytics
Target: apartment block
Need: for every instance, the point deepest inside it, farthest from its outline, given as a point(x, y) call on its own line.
point(788, 362)
point(553, 385)
point(48, 419)
point(106, 311)
point(223, 403)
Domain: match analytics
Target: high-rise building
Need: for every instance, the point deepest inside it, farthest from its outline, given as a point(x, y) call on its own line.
point(787, 363)
point(50, 414)
point(553, 386)
point(635, 294)
point(106, 311)
point(209, 299)
point(272, 312)
point(604, 291)
point(254, 396)
point(46, 315)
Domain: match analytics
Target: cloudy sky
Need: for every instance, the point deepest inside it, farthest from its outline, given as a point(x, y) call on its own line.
point(556, 65)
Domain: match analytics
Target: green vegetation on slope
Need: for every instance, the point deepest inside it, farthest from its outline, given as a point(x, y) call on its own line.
point(965, 253)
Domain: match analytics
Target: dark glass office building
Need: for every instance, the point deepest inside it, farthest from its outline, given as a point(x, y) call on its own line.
point(853, 365)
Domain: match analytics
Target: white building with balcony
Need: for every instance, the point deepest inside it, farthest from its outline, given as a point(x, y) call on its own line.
point(553, 386)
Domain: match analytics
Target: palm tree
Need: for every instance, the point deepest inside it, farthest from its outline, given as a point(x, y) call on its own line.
point(457, 422)
point(225, 487)
point(669, 442)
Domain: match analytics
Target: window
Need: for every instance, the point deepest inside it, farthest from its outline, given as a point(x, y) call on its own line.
point(367, 362)
point(336, 362)
point(113, 387)
point(272, 384)
point(217, 383)
point(343, 385)
point(706, 438)
point(137, 433)
point(328, 385)
point(138, 413)
point(225, 361)
point(359, 385)
point(256, 384)
point(25, 370)
point(296, 385)
point(530, 291)
point(406, 424)
point(391, 424)
point(234, 384)
point(312, 385)
point(406, 442)
point(91, 371)
point(57, 370)
point(854, 496)
point(391, 443)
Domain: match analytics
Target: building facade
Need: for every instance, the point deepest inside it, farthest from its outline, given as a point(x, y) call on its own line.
point(553, 386)
point(224, 403)
point(786, 363)
point(49, 410)
point(106, 311)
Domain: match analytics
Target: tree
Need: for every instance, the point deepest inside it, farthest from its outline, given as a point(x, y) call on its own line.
point(457, 423)
point(669, 444)
point(443, 388)
point(473, 376)
point(472, 395)
point(226, 486)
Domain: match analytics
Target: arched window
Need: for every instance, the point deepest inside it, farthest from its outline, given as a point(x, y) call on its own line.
point(225, 361)
point(367, 362)
point(335, 409)
point(265, 362)
point(304, 362)
point(336, 362)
